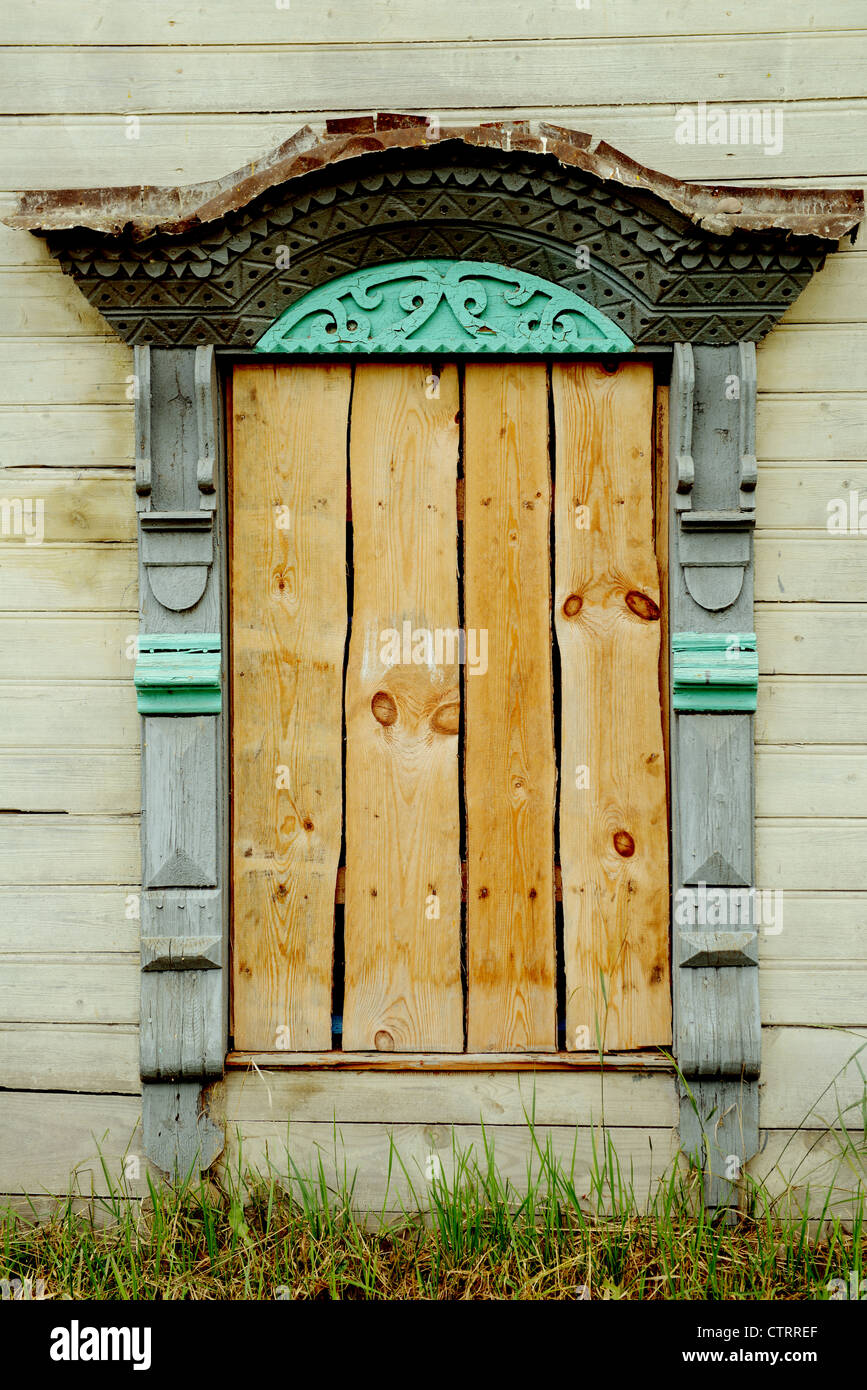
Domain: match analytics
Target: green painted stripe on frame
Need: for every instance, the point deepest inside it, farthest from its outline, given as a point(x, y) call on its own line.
point(714, 671)
point(178, 673)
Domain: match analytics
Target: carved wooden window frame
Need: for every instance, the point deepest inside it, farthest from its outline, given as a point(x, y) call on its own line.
point(694, 274)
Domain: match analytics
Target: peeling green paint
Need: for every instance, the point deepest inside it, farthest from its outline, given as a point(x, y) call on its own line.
point(178, 673)
point(442, 306)
point(714, 671)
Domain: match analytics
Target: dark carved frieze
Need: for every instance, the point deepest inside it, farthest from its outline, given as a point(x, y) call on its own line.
point(643, 264)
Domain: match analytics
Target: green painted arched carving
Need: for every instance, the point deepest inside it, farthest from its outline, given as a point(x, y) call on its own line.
point(442, 306)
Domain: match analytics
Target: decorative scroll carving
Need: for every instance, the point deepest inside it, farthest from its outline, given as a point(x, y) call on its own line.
point(207, 425)
point(749, 471)
point(442, 306)
point(713, 397)
point(176, 470)
point(683, 390)
point(142, 397)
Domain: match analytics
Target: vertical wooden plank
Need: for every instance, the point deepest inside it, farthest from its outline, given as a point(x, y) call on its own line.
point(510, 770)
point(403, 881)
point(288, 635)
point(613, 814)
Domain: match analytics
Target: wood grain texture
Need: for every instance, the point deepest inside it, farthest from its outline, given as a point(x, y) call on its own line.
point(179, 796)
point(510, 772)
point(35, 303)
point(808, 709)
point(613, 805)
point(66, 371)
point(74, 436)
point(53, 849)
point(57, 1143)
point(69, 919)
point(796, 495)
point(807, 639)
point(288, 633)
point(70, 1057)
point(83, 989)
point(46, 578)
point(809, 854)
point(478, 1097)
point(430, 76)
point(815, 995)
point(810, 427)
point(98, 507)
point(807, 1073)
point(811, 781)
point(814, 567)
point(403, 877)
point(715, 804)
point(85, 151)
point(813, 357)
point(75, 646)
point(819, 928)
point(356, 22)
point(81, 782)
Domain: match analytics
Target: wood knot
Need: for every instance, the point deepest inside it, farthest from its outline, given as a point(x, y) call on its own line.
point(642, 605)
point(384, 708)
point(383, 1041)
point(446, 719)
point(308, 824)
point(624, 843)
point(573, 605)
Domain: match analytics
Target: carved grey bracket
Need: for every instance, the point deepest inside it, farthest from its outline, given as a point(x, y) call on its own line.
point(184, 946)
point(176, 502)
point(716, 997)
point(713, 447)
point(142, 397)
point(177, 551)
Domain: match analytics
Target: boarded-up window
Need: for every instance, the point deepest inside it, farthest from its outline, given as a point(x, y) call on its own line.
point(450, 821)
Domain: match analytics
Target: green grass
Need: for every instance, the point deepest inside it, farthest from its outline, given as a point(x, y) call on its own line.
point(249, 1238)
point(563, 1234)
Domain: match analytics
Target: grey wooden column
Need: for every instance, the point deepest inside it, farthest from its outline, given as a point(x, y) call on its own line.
point(714, 679)
point(179, 680)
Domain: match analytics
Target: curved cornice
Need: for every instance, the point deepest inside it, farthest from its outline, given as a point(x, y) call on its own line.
point(142, 211)
point(596, 225)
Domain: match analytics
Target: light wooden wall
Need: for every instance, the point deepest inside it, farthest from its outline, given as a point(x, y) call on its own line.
point(213, 85)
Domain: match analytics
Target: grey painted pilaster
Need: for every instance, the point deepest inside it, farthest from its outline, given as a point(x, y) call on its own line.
point(715, 959)
point(184, 980)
